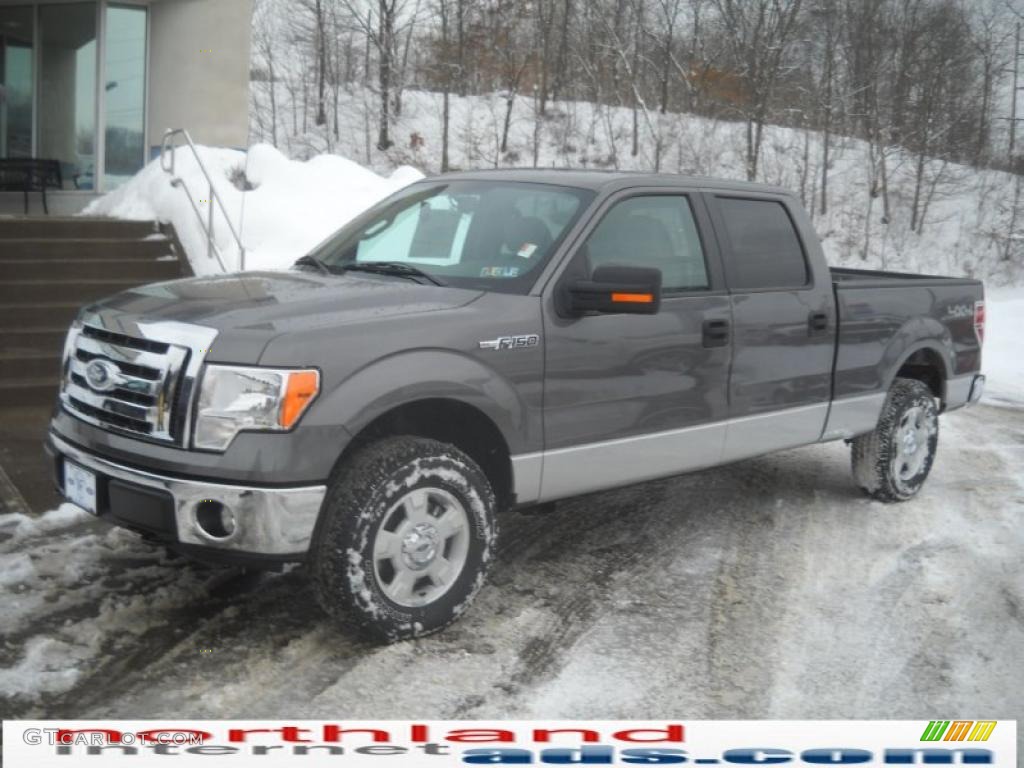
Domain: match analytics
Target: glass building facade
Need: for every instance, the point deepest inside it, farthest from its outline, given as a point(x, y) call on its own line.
point(73, 88)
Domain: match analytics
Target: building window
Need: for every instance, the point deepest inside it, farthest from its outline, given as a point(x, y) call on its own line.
point(16, 36)
point(67, 90)
point(125, 97)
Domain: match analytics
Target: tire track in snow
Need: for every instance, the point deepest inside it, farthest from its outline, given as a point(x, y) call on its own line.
point(755, 589)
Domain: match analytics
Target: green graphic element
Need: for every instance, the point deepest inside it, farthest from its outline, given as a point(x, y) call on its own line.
point(934, 730)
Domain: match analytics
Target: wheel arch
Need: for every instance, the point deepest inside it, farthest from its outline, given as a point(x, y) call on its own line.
point(925, 362)
point(447, 420)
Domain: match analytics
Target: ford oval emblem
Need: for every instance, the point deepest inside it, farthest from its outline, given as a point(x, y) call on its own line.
point(102, 375)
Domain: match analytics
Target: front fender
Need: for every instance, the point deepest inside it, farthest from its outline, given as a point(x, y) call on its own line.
point(406, 377)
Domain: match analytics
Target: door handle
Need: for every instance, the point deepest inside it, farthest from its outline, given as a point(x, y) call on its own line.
point(715, 333)
point(817, 322)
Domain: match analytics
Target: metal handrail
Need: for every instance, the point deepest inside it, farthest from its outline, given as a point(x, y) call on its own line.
point(167, 152)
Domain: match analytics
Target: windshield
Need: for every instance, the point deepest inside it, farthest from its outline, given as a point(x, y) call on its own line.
point(488, 235)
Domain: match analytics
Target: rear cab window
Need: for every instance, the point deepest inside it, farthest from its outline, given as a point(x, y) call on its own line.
point(766, 251)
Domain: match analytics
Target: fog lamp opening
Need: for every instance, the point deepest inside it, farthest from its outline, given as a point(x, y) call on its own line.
point(214, 519)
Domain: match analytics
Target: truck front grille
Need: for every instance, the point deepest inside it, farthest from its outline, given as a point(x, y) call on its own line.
point(127, 384)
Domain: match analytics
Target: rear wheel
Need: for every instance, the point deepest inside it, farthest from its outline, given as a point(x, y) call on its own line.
point(407, 534)
point(892, 462)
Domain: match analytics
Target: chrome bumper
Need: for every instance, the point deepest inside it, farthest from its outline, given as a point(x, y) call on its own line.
point(267, 521)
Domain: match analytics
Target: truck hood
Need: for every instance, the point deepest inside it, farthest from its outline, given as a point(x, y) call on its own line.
point(249, 309)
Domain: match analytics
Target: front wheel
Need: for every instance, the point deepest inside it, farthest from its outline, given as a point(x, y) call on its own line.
point(892, 462)
point(408, 530)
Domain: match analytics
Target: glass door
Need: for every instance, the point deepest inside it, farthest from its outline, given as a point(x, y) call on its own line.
point(125, 93)
point(16, 40)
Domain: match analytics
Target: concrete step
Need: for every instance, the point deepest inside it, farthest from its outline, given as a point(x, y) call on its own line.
point(83, 248)
point(51, 227)
point(144, 270)
point(14, 315)
point(36, 339)
point(29, 364)
point(62, 291)
point(41, 391)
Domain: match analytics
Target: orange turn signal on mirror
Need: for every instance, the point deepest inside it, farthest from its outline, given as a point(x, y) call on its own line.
point(632, 298)
point(303, 386)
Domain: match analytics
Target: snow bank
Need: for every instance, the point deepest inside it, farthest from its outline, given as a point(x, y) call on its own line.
point(1003, 355)
point(292, 207)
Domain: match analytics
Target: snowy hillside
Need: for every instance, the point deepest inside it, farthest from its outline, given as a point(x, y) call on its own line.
point(966, 212)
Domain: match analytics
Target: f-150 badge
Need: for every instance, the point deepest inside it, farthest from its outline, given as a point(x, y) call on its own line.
point(511, 342)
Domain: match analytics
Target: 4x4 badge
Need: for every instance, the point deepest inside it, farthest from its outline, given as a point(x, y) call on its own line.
point(511, 342)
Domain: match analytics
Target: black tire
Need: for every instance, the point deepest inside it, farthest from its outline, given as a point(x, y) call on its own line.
point(363, 496)
point(883, 464)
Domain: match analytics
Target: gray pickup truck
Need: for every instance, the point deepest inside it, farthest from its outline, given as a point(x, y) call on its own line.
point(479, 342)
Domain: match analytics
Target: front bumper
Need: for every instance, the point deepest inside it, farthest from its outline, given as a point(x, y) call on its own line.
point(275, 522)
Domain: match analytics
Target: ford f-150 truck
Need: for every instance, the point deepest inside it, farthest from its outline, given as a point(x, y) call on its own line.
point(493, 340)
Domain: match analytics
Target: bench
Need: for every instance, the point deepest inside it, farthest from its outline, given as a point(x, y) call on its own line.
point(30, 175)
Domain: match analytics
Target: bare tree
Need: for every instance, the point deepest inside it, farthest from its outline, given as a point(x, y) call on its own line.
point(759, 33)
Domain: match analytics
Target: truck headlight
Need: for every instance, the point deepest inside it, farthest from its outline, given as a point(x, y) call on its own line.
point(233, 399)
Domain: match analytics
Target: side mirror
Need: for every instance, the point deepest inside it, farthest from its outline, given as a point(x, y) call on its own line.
point(614, 290)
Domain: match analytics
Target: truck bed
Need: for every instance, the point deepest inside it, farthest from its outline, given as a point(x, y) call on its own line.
point(845, 277)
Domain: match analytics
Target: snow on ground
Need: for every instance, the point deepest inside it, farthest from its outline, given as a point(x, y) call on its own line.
point(767, 588)
point(1003, 355)
point(292, 207)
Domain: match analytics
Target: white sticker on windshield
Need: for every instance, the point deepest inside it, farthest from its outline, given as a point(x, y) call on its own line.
point(526, 250)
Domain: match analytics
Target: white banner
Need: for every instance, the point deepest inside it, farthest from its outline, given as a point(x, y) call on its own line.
point(439, 744)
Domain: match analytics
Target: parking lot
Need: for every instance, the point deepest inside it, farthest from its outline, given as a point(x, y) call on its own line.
point(768, 588)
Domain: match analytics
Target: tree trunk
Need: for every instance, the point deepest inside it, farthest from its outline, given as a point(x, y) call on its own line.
point(273, 102)
point(385, 33)
point(509, 103)
point(563, 51)
point(918, 183)
point(321, 64)
point(635, 77)
point(447, 80)
point(460, 23)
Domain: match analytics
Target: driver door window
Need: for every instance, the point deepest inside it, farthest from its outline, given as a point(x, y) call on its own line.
point(651, 231)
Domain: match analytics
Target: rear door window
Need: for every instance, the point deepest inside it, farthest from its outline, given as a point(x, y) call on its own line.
point(766, 250)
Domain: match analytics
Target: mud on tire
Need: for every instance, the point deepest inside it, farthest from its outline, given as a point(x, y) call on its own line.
point(892, 462)
point(406, 534)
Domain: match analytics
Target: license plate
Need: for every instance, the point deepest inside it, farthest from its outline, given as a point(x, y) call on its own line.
point(80, 486)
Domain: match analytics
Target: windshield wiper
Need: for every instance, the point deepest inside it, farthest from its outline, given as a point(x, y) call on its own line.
point(313, 261)
point(397, 268)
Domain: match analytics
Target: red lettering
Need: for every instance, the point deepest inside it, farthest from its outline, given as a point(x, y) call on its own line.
point(673, 732)
point(544, 734)
point(145, 736)
point(473, 736)
point(333, 733)
point(419, 733)
point(239, 734)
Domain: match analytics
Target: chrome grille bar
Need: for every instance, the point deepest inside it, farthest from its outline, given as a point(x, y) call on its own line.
point(138, 384)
